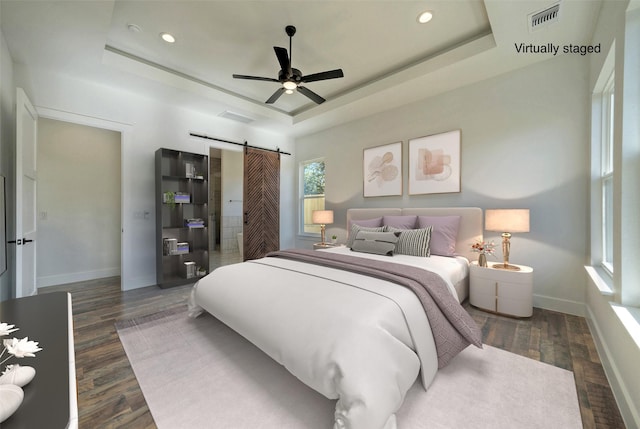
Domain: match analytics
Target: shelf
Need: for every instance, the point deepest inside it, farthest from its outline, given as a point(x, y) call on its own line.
point(192, 252)
point(183, 228)
point(169, 177)
point(172, 170)
point(186, 204)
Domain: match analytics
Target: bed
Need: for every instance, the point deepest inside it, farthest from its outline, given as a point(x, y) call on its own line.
point(339, 322)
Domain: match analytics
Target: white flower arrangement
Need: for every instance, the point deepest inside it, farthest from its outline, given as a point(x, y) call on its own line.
point(15, 376)
point(14, 347)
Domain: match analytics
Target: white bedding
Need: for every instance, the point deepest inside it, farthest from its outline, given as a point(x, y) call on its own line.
point(353, 338)
point(454, 270)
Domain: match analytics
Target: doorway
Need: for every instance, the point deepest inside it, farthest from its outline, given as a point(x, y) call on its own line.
point(79, 203)
point(226, 175)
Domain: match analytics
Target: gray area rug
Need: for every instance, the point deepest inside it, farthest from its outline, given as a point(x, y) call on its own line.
point(201, 374)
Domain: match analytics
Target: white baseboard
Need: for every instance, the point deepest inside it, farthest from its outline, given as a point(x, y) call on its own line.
point(134, 283)
point(630, 413)
point(81, 276)
point(139, 282)
point(560, 305)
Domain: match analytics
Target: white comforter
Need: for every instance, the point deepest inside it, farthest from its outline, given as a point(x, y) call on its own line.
point(352, 338)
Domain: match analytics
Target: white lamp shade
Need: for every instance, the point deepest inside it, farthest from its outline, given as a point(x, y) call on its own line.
point(507, 220)
point(323, 217)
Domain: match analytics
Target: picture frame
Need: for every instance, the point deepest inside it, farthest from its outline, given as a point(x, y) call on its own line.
point(382, 170)
point(434, 163)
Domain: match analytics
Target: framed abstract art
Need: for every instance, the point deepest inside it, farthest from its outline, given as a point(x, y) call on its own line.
point(382, 170)
point(434, 164)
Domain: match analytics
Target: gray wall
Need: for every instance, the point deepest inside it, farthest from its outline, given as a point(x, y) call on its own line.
point(524, 145)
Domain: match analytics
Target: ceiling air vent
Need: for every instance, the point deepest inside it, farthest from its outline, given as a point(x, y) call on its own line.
point(544, 17)
point(236, 117)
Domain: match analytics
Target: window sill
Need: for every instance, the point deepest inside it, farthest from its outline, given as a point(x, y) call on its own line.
point(630, 318)
point(601, 279)
point(309, 237)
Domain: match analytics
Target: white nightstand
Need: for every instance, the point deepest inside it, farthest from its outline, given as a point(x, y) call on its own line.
point(502, 291)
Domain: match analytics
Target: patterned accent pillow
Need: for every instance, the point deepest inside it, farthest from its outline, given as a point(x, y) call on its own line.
point(379, 243)
point(357, 228)
point(413, 242)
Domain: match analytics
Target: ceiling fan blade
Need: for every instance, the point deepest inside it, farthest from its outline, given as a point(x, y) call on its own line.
point(331, 74)
point(283, 59)
point(312, 95)
point(275, 96)
point(242, 76)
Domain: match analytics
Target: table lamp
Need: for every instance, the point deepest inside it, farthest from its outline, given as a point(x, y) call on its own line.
point(511, 220)
point(322, 217)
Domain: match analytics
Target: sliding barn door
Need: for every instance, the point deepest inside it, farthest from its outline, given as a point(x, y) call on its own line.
point(261, 203)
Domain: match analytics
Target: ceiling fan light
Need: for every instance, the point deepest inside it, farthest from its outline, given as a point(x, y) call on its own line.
point(289, 85)
point(425, 17)
point(289, 91)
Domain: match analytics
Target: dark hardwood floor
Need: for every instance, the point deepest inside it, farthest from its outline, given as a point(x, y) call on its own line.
point(109, 395)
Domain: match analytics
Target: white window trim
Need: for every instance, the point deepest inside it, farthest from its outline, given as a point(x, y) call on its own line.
point(627, 175)
point(301, 233)
point(601, 273)
point(606, 166)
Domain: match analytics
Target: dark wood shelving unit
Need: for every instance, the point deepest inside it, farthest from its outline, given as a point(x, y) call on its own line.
point(185, 173)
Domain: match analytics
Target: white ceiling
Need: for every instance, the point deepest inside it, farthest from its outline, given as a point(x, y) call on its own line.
point(388, 58)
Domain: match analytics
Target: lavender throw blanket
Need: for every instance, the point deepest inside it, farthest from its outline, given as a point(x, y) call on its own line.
point(453, 328)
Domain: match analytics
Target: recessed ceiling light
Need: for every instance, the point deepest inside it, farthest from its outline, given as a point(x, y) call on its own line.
point(425, 17)
point(167, 37)
point(134, 28)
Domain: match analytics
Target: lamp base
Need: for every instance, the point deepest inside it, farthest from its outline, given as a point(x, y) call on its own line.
point(506, 267)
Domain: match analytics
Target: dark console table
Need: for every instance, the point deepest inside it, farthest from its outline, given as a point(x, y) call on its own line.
point(50, 400)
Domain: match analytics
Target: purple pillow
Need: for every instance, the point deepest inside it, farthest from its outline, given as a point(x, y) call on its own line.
point(400, 222)
point(367, 223)
point(444, 234)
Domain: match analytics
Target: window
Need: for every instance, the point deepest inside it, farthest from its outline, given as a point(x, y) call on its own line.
point(606, 173)
point(311, 195)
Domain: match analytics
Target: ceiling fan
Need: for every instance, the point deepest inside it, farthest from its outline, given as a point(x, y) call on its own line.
point(291, 78)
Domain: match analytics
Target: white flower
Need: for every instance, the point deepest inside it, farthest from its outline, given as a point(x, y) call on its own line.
point(15, 347)
point(22, 348)
point(6, 329)
point(9, 369)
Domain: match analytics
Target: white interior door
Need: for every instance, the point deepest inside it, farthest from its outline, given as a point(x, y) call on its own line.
point(26, 141)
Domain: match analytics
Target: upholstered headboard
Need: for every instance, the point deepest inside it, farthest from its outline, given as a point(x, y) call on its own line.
point(470, 222)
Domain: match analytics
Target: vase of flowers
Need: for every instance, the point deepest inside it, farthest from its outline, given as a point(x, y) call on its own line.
point(483, 248)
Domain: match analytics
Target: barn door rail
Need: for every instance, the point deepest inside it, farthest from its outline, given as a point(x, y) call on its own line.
point(245, 144)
